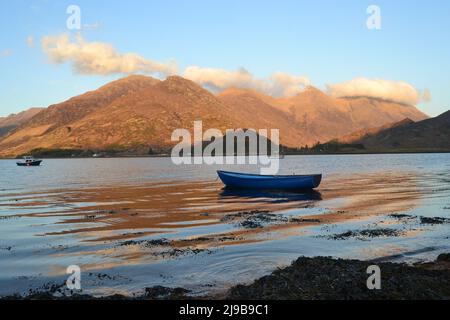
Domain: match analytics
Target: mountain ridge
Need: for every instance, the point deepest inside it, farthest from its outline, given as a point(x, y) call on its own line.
point(139, 113)
point(429, 134)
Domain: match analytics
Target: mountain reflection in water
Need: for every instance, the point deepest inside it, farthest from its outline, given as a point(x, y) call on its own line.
point(148, 223)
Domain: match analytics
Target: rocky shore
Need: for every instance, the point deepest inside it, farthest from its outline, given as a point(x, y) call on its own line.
point(318, 278)
point(323, 278)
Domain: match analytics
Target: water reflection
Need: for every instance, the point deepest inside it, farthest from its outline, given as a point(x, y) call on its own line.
point(271, 196)
point(184, 211)
point(194, 231)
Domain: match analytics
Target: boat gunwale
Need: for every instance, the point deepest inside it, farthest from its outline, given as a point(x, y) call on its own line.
point(269, 176)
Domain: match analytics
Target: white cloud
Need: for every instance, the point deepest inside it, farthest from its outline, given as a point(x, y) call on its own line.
point(278, 84)
point(103, 59)
point(218, 79)
point(100, 58)
point(396, 91)
point(287, 85)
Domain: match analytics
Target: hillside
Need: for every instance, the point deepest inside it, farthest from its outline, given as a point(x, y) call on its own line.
point(137, 114)
point(12, 121)
point(132, 113)
point(320, 117)
point(357, 136)
point(427, 135)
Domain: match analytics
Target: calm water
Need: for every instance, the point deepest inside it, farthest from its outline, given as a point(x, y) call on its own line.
point(105, 215)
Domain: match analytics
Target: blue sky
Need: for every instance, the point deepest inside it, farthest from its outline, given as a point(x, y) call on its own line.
point(327, 41)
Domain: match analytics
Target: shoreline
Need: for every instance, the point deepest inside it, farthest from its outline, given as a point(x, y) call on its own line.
point(316, 278)
point(286, 155)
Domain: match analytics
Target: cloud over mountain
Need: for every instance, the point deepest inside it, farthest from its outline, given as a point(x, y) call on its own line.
point(278, 84)
point(100, 58)
point(396, 91)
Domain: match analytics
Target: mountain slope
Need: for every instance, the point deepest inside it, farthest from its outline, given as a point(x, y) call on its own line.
point(361, 134)
point(78, 107)
point(430, 134)
point(132, 113)
point(251, 109)
point(319, 117)
point(137, 113)
point(325, 117)
point(12, 121)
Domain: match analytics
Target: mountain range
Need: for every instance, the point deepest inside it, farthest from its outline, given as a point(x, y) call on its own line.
point(426, 135)
point(139, 113)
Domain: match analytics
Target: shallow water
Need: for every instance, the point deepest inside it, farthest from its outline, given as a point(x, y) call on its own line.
point(102, 214)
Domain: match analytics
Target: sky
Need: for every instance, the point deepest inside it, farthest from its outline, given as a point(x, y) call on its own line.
point(277, 47)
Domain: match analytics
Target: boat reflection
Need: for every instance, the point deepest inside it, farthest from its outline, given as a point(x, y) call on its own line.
point(271, 196)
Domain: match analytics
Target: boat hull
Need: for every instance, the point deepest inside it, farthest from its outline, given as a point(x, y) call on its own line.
point(260, 182)
point(29, 164)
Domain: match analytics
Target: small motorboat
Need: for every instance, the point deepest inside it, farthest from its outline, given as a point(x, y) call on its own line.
point(266, 182)
point(29, 161)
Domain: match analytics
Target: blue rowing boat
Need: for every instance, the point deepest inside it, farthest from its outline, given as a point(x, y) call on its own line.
point(262, 182)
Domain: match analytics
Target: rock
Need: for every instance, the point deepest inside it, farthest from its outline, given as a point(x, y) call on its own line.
point(444, 257)
point(434, 220)
point(365, 234)
point(325, 278)
point(165, 293)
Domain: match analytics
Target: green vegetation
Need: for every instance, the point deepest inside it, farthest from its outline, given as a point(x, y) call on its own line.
point(109, 151)
point(331, 147)
point(58, 153)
